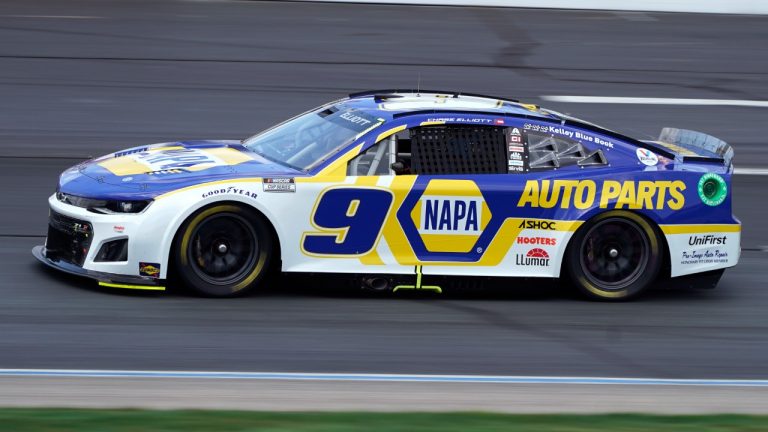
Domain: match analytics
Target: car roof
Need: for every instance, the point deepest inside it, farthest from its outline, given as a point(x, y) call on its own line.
point(393, 103)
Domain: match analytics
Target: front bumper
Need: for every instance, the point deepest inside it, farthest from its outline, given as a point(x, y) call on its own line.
point(104, 279)
point(76, 235)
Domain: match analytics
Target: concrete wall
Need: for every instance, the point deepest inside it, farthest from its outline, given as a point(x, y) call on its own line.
point(700, 6)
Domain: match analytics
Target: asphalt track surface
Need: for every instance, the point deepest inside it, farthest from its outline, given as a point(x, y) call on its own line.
point(83, 78)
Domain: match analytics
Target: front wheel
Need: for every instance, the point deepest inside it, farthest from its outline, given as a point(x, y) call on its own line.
point(223, 250)
point(614, 256)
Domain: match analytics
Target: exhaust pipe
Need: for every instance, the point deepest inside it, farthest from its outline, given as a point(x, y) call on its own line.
point(378, 284)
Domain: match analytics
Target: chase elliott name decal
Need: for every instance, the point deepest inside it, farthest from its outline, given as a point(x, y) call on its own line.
point(444, 215)
point(459, 120)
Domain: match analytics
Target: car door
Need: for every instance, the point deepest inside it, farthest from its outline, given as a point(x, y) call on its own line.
point(454, 214)
point(445, 179)
point(446, 197)
point(468, 202)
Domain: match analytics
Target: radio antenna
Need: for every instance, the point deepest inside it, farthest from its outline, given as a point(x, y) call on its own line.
point(418, 85)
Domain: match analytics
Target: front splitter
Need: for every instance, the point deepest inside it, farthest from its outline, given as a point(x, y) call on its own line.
point(105, 279)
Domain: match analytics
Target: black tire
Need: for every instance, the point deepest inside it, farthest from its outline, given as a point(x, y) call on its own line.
point(614, 256)
point(223, 250)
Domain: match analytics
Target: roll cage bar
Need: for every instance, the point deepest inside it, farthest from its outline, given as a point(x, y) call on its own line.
point(393, 93)
point(559, 121)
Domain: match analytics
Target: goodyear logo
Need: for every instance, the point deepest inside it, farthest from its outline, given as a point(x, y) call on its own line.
point(583, 194)
point(443, 215)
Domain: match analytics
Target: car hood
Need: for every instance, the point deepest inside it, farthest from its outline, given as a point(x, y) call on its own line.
point(148, 171)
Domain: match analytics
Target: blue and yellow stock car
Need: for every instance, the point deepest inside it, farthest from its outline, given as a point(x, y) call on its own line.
point(397, 186)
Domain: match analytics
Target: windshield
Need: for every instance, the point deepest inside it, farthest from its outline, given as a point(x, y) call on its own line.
point(311, 138)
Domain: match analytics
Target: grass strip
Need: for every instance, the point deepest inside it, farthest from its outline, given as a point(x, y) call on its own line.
point(85, 420)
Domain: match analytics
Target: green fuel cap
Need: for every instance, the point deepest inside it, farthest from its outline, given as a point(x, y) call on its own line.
point(712, 189)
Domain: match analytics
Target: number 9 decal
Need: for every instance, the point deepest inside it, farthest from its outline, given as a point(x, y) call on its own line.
point(349, 221)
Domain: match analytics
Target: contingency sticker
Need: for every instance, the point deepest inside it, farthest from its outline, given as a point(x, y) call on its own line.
point(279, 185)
point(517, 159)
point(149, 269)
point(647, 157)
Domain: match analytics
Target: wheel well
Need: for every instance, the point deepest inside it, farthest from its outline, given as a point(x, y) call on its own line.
point(666, 263)
point(272, 231)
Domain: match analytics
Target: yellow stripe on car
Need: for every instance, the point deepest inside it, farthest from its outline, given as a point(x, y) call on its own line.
point(228, 155)
point(700, 228)
point(209, 184)
point(123, 166)
point(389, 132)
point(136, 287)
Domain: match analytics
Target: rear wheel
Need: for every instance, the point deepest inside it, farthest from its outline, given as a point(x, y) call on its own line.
point(615, 256)
point(223, 250)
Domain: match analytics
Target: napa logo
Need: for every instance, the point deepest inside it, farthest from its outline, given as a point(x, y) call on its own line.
point(160, 159)
point(175, 158)
point(450, 215)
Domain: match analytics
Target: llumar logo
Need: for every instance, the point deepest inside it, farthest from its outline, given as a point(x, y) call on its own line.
point(534, 257)
point(651, 195)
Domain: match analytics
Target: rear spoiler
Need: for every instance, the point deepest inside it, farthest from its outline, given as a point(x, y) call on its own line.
point(695, 146)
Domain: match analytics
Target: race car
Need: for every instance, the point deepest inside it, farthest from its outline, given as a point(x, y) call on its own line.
point(403, 188)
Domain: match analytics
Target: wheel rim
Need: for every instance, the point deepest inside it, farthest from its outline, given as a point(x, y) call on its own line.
point(223, 249)
point(614, 254)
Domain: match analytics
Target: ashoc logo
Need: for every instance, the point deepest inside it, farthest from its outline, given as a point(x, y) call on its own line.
point(534, 257)
point(537, 224)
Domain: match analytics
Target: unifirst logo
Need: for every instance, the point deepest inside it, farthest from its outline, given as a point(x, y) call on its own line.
point(651, 195)
point(444, 215)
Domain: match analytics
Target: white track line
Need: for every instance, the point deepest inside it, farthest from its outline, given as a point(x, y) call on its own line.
point(654, 101)
point(52, 16)
point(751, 171)
point(379, 377)
point(666, 101)
point(687, 6)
